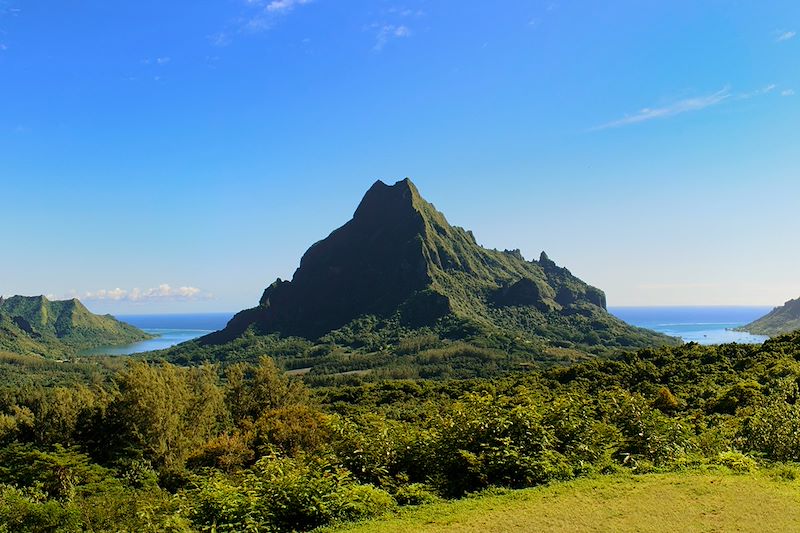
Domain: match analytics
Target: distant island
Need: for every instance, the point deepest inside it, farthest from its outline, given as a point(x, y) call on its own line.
point(783, 319)
point(38, 326)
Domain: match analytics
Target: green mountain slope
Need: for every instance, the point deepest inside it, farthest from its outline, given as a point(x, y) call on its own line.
point(783, 319)
point(14, 340)
point(34, 324)
point(398, 264)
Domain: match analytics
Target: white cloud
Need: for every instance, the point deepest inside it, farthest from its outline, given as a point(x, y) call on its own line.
point(787, 92)
point(267, 13)
point(783, 35)
point(677, 108)
point(406, 12)
point(220, 39)
point(402, 31)
point(163, 292)
point(161, 61)
point(284, 6)
point(387, 32)
point(758, 92)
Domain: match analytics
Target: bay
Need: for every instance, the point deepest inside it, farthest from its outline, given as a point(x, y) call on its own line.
point(169, 329)
point(703, 325)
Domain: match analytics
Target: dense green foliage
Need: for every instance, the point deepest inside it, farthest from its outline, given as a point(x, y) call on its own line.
point(157, 447)
point(371, 348)
point(398, 268)
point(783, 319)
point(37, 326)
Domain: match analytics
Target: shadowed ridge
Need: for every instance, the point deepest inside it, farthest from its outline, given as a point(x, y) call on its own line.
point(370, 265)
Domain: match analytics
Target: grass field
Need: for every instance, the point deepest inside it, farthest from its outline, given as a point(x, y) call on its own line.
point(685, 502)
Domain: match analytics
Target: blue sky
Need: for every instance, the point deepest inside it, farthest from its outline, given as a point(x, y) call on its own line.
point(179, 156)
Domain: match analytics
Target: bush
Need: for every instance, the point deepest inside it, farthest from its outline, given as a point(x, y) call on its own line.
point(286, 495)
point(291, 430)
point(226, 452)
point(665, 401)
point(648, 433)
point(785, 472)
point(377, 450)
point(29, 510)
point(774, 427)
point(736, 462)
point(415, 494)
point(487, 440)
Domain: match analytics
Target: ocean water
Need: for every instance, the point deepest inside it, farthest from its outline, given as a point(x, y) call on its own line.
point(703, 325)
point(169, 329)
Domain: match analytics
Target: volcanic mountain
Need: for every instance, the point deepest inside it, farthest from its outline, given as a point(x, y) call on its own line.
point(783, 319)
point(34, 324)
point(399, 260)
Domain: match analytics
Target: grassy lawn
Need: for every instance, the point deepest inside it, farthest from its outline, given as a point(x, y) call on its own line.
point(654, 502)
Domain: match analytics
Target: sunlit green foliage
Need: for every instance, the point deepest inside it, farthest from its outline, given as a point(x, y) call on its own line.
point(159, 447)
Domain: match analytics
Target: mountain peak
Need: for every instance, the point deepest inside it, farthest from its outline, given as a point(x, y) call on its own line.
point(399, 260)
point(384, 201)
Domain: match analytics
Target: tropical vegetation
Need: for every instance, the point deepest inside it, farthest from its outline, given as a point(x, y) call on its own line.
point(131, 445)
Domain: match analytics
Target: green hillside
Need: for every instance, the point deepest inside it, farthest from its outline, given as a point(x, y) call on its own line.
point(14, 340)
point(783, 319)
point(399, 270)
point(34, 324)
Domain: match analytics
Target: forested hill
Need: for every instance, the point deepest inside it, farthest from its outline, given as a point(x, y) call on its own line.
point(783, 319)
point(34, 324)
point(398, 265)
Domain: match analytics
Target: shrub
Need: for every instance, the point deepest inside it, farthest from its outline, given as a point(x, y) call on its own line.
point(286, 495)
point(415, 494)
point(736, 462)
point(665, 401)
point(774, 427)
point(486, 440)
point(29, 510)
point(291, 430)
point(647, 432)
point(785, 472)
point(377, 450)
point(226, 452)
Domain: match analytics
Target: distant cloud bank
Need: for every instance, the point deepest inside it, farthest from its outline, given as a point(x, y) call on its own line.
point(163, 292)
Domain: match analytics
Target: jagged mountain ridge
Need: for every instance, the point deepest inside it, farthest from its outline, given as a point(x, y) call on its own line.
point(782, 319)
point(35, 324)
point(398, 257)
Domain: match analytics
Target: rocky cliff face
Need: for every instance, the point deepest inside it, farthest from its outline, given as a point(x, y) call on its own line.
point(398, 258)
